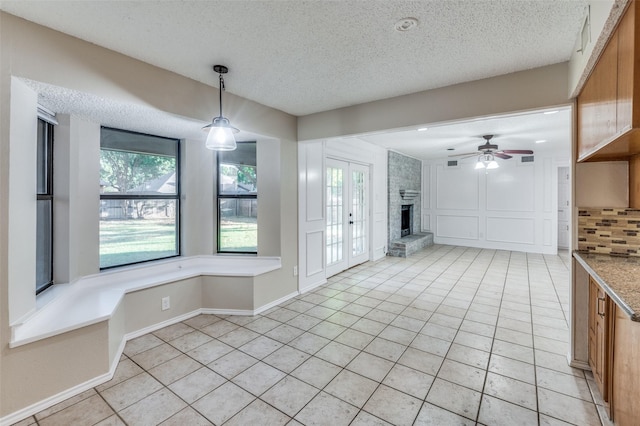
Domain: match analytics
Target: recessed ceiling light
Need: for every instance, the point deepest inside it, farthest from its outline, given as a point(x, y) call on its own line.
point(541, 141)
point(406, 24)
point(451, 149)
point(550, 112)
point(423, 129)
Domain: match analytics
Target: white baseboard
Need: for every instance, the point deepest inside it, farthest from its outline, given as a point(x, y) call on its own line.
point(159, 325)
point(239, 312)
point(55, 399)
point(248, 312)
point(378, 253)
point(579, 364)
point(312, 286)
point(276, 302)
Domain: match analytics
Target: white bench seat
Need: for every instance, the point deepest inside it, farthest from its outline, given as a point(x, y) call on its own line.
point(95, 298)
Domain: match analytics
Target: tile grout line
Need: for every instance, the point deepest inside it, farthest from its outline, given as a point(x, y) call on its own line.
point(493, 339)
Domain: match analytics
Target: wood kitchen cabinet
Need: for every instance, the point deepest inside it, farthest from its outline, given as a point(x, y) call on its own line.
point(626, 369)
point(609, 103)
point(627, 116)
point(600, 337)
point(597, 102)
point(614, 351)
point(607, 333)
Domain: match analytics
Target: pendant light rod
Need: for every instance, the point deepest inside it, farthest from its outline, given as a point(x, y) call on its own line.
point(220, 69)
point(220, 93)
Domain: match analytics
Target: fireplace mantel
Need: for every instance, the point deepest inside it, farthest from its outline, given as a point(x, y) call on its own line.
point(409, 194)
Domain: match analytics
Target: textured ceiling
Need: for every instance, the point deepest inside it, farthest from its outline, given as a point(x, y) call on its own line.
point(308, 56)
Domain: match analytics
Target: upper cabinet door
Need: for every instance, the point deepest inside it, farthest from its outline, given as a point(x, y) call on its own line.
point(609, 104)
point(627, 59)
point(597, 101)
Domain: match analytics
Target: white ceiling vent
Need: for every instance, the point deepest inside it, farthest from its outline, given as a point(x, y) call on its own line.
point(527, 158)
point(452, 163)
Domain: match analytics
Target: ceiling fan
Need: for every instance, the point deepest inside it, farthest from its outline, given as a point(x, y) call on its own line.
point(492, 150)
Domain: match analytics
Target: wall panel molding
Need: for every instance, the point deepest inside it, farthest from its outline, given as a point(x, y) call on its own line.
point(511, 230)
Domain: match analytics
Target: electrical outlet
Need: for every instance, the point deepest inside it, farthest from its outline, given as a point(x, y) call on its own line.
point(295, 271)
point(166, 303)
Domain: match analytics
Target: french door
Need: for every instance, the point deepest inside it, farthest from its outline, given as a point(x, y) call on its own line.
point(347, 207)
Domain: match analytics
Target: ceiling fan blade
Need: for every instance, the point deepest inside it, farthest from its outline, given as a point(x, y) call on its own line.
point(502, 155)
point(466, 153)
point(517, 151)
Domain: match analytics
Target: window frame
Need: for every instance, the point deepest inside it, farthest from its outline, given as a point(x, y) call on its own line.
point(47, 195)
point(220, 196)
point(175, 197)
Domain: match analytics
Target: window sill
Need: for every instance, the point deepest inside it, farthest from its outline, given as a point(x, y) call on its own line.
point(94, 298)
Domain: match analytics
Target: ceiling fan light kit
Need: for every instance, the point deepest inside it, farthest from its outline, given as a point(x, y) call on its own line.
point(486, 161)
point(220, 137)
point(488, 152)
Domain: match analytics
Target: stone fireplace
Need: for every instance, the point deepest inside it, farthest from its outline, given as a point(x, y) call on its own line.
point(404, 203)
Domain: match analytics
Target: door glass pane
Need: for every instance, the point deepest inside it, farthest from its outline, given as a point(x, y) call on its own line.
point(359, 217)
point(43, 246)
point(238, 224)
point(334, 215)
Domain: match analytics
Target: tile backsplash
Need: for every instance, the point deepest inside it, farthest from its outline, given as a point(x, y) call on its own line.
point(609, 231)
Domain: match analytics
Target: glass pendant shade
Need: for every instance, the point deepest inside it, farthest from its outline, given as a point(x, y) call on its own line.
point(220, 137)
point(487, 161)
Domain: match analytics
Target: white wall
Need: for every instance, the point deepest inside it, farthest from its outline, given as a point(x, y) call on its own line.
point(196, 233)
point(513, 207)
point(311, 215)
point(76, 198)
point(22, 201)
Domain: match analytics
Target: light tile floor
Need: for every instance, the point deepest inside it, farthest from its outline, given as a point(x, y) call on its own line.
point(448, 336)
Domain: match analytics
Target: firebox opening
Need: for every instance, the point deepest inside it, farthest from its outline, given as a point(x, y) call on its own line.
point(407, 220)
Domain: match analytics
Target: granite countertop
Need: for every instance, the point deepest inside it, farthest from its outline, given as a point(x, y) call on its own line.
point(618, 276)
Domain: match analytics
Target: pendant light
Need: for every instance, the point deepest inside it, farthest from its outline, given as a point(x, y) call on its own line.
point(220, 137)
